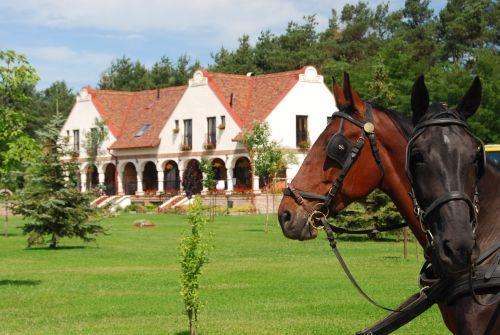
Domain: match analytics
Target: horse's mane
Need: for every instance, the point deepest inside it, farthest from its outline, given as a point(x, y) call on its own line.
point(399, 119)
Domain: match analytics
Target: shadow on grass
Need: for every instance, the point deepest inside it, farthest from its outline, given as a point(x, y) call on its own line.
point(364, 238)
point(66, 247)
point(261, 230)
point(185, 332)
point(15, 282)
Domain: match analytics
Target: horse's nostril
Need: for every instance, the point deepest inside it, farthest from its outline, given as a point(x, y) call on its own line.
point(286, 216)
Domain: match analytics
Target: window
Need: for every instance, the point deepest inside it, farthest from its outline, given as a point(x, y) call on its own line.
point(188, 133)
point(302, 136)
point(176, 124)
point(328, 120)
point(76, 140)
point(222, 122)
point(211, 131)
point(143, 130)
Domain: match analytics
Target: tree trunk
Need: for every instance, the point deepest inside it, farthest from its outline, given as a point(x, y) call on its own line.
point(6, 225)
point(267, 207)
point(405, 242)
point(192, 327)
point(53, 242)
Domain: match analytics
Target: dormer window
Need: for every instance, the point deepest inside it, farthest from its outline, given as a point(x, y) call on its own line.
point(143, 130)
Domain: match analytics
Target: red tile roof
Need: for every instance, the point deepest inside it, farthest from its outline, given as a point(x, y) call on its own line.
point(254, 97)
point(127, 112)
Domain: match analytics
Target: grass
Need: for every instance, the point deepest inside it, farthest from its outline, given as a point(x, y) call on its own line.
point(255, 283)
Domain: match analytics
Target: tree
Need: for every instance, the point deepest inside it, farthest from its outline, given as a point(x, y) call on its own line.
point(194, 250)
point(376, 210)
point(265, 155)
point(57, 98)
point(271, 159)
point(463, 26)
point(17, 79)
point(192, 179)
point(209, 182)
point(93, 142)
point(125, 75)
point(50, 201)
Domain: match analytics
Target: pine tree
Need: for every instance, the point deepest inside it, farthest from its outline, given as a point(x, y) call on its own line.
point(50, 201)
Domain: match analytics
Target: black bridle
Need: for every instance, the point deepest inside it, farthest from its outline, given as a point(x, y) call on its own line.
point(443, 119)
point(321, 210)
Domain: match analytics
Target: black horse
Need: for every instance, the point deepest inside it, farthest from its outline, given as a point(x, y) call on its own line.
point(457, 196)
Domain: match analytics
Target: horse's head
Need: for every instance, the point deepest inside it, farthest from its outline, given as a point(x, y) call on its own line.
point(444, 164)
point(339, 168)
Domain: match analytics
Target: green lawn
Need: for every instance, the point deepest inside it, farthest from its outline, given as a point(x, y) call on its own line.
point(255, 283)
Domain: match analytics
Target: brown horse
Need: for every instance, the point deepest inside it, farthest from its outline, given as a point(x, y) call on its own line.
point(459, 197)
point(319, 171)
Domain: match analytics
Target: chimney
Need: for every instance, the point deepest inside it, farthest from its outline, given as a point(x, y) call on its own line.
point(157, 93)
point(231, 100)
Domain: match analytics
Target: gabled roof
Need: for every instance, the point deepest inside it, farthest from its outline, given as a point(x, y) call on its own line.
point(126, 113)
point(253, 97)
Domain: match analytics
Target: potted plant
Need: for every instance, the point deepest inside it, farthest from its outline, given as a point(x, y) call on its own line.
point(304, 145)
point(221, 126)
point(185, 147)
point(176, 130)
point(208, 146)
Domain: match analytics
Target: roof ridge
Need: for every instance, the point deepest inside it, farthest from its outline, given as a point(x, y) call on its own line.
point(168, 88)
point(243, 76)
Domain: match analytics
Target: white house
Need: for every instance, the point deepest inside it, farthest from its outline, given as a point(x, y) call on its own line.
point(156, 135)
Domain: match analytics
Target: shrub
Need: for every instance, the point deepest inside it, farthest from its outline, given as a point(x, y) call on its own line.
point(194, 249)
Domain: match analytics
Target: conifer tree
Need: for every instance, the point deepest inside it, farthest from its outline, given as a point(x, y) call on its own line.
point(50, 202)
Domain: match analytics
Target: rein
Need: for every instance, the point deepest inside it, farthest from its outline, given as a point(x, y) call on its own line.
point(318, 213)
point(432, 290)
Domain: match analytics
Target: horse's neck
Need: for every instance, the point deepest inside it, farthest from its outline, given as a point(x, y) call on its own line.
point(488, 229)
point(395, 183)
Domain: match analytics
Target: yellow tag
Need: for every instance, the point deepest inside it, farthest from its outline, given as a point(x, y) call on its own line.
point(369, 128)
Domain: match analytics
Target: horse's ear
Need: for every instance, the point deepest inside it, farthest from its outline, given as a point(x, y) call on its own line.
point(352, 97)
point(338, 94)
point(471, 100)
point(419, 99)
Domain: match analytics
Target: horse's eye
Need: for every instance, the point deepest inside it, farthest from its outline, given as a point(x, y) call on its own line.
point(416, 157)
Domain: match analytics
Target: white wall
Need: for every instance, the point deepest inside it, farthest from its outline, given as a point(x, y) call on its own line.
point(82, 117)
point(308, 97)
point(198, 103)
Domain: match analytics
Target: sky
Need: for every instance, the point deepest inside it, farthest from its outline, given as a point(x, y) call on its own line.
point(76, 41)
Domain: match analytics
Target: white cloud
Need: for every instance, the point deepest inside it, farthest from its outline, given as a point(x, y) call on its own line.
point(77, 67)
point(131, 16)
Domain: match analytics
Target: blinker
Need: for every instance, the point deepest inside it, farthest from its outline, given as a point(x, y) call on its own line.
point(338, 148)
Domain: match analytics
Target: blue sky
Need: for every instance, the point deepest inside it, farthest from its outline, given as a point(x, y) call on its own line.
point(76, 40)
